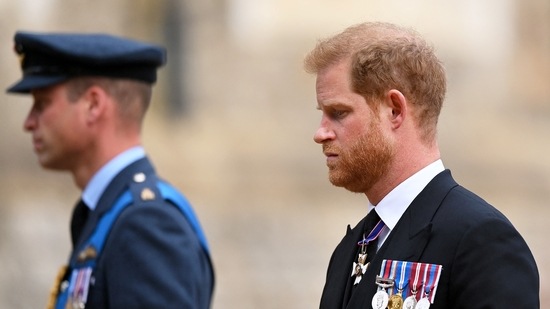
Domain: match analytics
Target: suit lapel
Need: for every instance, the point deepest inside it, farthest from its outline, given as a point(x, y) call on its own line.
point(336, 288)
point(408, 239)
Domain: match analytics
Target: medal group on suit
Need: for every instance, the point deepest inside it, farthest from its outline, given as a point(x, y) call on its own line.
point(406, 285)
point(401, 284)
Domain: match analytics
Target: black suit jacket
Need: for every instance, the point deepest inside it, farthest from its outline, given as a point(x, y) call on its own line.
point(486, 263)
point(151, 258)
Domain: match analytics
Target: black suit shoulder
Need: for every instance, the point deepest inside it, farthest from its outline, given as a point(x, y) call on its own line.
point(485, 259)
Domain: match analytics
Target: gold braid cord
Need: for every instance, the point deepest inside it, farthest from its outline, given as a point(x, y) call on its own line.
point(55, 288)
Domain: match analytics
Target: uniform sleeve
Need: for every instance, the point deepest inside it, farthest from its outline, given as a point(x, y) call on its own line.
point(152, 259)
point(494, 268)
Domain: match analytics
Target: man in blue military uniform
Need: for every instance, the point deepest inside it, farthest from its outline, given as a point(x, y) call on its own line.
point(136, 241)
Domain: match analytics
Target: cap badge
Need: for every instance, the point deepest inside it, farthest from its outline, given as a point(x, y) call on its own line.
point(20, 54)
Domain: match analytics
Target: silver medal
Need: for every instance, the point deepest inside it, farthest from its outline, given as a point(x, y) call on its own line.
point(409, 302)
point(424, 303)
point(380, 300)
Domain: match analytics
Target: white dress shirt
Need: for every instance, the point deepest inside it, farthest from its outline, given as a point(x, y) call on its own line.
point(394, 204)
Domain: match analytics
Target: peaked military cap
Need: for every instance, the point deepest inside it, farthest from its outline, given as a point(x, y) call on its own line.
point(51, 58)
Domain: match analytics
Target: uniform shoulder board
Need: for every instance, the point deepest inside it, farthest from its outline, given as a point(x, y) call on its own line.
point(144, 188)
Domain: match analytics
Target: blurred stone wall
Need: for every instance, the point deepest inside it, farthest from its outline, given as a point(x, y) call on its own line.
point(232, 126)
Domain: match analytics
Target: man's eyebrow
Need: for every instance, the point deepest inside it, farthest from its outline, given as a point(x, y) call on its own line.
point(332, 105)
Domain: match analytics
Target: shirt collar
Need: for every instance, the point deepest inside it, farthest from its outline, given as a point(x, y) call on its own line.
point(95, 188)
point(394, 204)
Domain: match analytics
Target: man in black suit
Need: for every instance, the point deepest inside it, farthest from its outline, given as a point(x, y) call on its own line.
point(136, 241)
point(426, 242)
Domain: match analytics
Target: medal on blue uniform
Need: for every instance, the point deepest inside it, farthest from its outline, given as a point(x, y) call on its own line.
point(360, 267)
point(79, 286)
point(73, 292)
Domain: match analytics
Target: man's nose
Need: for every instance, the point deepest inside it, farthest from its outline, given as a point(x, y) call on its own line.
point(30, 122)
point(323, 134)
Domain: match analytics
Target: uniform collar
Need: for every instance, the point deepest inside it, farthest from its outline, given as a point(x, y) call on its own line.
point(99, 182)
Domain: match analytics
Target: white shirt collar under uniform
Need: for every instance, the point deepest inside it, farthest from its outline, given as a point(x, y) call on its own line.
point(99, 182)
point(394, 204)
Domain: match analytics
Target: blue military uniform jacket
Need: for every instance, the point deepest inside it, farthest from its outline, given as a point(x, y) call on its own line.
point(152, 257)
point(485, 262)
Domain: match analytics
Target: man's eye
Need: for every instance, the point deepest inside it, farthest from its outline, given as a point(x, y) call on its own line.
point(339, 114)
point(39, 105)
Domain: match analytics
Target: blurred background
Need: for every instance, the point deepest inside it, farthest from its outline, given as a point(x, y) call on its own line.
point(232, 126)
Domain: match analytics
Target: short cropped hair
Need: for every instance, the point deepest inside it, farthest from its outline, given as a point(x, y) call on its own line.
point(383, 57)
point(133, 97)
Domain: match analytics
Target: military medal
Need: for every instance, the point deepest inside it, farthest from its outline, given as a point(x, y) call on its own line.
point(401, 269)
point(395, 276)
point(395, 302)
point(360, 267)
point(424, 303)
point(431, 278)
point(78, 288)
point(380, 300)
point(410, 301)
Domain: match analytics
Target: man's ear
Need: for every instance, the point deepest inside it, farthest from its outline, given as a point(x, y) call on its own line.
point(398, 105)
point(96, 103)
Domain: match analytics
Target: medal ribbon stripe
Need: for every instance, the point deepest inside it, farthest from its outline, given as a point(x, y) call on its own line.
point(383, 268)
point(422, 278)
point(424, 281)
point(413, 274)
point(437, 275)
point(393, 276)
point(72, 282)
point(403, 275)
point(387, 270)
point(373, 234)
point(428, 288)
point(78, 284)
point(420, 271)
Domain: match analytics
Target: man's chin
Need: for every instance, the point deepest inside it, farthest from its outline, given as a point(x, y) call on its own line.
point(349, 183)
point(49, 165)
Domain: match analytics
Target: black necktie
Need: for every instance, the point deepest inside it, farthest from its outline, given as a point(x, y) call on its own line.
point(80, 214)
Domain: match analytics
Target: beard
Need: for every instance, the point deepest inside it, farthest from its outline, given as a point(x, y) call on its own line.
point(361, 166)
